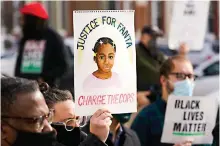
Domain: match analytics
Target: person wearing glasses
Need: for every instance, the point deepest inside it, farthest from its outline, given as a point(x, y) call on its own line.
point(176, 78)
point(26, 119)
point(66, 123)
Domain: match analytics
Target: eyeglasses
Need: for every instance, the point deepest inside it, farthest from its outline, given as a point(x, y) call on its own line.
point(36, 121)
point(182, 76)
point(71, 123)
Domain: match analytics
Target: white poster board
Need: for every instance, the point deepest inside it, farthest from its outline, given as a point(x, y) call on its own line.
point(188, 24)
point(190, 119)
point(104, 61)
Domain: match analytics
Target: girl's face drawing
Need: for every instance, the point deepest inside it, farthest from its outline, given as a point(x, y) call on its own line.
point(105, 58)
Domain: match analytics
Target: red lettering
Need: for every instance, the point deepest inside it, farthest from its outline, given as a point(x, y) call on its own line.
point(90, 100)
point(94, 100)
point(103, 99)
point(117, 99)
point(79, 100)
point(121, 99)
point(132, 97)
point(111, 99)
point(126, 99)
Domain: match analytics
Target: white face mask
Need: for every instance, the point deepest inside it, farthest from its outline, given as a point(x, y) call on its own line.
point(183, 88)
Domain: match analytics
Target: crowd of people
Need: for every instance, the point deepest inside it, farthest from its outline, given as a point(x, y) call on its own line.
point(37, 112)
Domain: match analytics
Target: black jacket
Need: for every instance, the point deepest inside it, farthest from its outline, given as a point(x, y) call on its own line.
point(148, 62)
point(91, 140)
point(127, 138)
point(51, 139)
point(215, 131)
point(76, 137)
point(54, 60)
point(69, 138)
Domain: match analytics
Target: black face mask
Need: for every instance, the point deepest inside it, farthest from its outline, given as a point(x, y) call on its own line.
point(122, 118)
point(68, 138)
point(34, 139)
point(33, 27)
point(152, 44)
point(25, 138)
point(152, 48)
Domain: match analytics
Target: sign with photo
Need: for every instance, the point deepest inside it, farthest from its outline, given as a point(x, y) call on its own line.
point(104, 61)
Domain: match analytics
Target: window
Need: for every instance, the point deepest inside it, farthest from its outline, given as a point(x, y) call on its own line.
point(213, 69)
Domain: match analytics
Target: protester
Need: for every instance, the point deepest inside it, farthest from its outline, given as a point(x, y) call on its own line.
point(177, 78)
point(64, 121)
point(142, 101)
point(41, 54)
point(26, 118)
point(120, 135)
point(149, 59)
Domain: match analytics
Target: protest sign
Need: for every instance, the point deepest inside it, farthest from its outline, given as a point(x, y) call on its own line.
point(190, 119)
point(32, 58)
point(104, 61)
point(188, 24)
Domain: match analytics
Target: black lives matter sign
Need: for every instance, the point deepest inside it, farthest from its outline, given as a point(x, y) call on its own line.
point(190, 118)
point(193, 114)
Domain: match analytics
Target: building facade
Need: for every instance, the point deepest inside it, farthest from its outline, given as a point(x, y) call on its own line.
point(146, 13)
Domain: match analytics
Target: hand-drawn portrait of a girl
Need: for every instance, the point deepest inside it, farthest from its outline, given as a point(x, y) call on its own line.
point(104, 56)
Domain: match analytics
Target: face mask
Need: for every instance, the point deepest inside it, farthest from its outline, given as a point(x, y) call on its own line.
point(68, 138)
point(152, 43)
point(183, 88)
point(25, 138)
point(122, 118)
point(34, 139)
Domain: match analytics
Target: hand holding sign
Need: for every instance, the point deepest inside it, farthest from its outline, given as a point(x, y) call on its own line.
point(100, 123)
point(142, 99)
point(183, 49)
point(186, 143)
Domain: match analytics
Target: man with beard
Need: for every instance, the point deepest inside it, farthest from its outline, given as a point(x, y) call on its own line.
point(176, 78)
point(41, 55)
point(26, 119)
